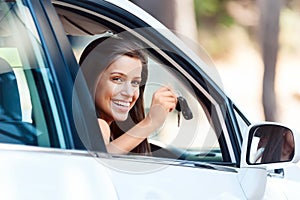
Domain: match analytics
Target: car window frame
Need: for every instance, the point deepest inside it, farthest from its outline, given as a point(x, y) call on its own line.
point(63, 67)
point(126, 21)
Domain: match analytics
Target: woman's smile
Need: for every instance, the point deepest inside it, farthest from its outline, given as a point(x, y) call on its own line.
point(122, 103)
point(123, 106)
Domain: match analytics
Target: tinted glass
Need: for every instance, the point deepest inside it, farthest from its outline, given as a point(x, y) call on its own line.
point(28, 113)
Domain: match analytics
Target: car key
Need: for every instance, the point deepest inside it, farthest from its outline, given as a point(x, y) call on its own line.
point(183, 107)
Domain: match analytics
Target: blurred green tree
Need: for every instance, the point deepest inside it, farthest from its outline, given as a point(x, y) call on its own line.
point(209, 13)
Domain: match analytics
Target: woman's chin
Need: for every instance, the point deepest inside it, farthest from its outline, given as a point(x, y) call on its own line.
point(120, 117)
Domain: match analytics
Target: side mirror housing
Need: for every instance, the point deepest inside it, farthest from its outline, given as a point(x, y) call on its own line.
point(270, 143)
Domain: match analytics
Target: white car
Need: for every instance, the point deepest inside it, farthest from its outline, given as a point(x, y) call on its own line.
point(52, 147)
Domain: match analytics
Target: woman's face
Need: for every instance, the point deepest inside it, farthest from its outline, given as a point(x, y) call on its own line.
point(118, 88)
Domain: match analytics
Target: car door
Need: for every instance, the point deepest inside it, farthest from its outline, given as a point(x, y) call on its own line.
point(195, 158)
point(36, 136)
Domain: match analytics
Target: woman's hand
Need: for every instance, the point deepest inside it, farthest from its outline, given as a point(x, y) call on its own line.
point(163, 101)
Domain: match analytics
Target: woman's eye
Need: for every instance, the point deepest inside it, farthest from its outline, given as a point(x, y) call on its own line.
point(117, 80)
point(136, 83)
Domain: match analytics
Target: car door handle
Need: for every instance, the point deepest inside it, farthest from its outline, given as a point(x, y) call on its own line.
point(279, 173)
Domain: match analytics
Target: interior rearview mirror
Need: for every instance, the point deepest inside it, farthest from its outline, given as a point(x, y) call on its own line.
point(270, 143)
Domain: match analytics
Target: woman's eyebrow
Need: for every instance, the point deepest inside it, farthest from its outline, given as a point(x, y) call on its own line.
point(123, 74)
point(118, 73)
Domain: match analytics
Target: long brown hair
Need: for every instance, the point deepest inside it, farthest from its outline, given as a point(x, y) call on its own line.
point(96, 57)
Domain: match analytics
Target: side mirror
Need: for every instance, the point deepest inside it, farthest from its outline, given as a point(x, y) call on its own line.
point(270, 143)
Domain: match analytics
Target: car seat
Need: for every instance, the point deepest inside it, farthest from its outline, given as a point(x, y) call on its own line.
point(12, 129)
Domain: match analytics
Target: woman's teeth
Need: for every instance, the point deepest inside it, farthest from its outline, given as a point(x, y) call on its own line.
point(122, 103)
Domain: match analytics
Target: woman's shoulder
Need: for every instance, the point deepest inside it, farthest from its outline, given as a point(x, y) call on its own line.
point(105, 129)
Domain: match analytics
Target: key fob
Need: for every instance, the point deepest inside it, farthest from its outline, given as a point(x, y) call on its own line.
point(183, 107)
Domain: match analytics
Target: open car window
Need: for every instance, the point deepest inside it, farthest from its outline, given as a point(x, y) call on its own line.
point(198, 139)
point(188, 139)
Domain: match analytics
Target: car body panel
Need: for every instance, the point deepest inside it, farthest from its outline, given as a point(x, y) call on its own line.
point(43, 173)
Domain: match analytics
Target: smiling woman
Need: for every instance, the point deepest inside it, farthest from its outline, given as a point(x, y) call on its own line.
point(116, 73)
point(117, 89)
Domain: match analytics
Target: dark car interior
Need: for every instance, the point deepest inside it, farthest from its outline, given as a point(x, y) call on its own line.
point(12, 129)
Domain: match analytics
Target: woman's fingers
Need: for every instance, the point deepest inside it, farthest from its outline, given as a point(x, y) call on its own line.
point(163, 101)
point(165, 97)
